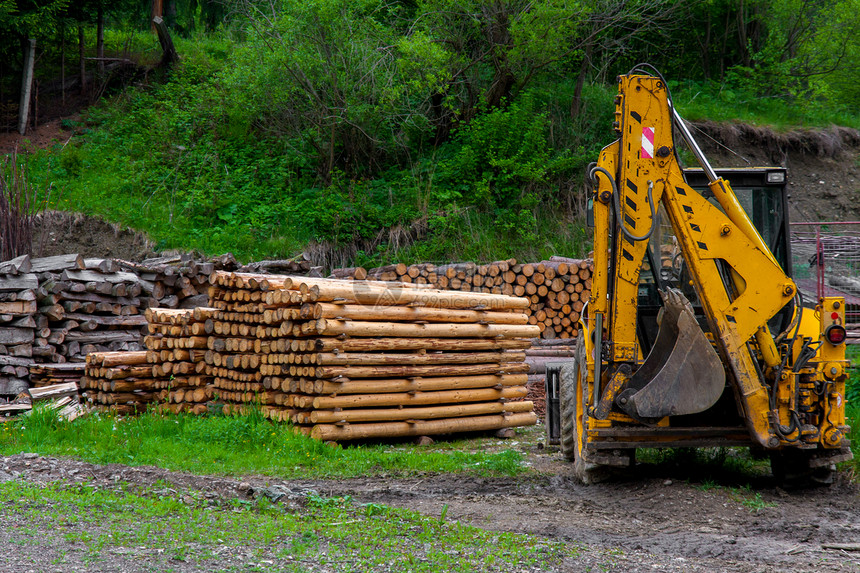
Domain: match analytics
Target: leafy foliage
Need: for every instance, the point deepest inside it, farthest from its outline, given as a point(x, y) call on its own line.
point(432, 130)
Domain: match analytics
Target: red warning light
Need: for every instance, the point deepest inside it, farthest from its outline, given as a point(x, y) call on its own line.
point(834, 315)
point(835, 334)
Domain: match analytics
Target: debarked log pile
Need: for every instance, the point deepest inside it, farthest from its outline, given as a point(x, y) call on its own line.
point(176, 348)
point(556, 289)
point(347, 360)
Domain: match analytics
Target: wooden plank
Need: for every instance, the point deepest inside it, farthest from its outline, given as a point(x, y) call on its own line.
point(92, 276)
point(13, 361)
point(15, 408)
point(54, 391)
point(95, 297)
point(103, 337)
point(133, 320)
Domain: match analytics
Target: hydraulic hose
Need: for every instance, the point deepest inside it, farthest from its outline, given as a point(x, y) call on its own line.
point(617, 203)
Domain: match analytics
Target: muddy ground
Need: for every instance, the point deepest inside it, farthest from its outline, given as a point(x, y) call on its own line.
point(662, 517)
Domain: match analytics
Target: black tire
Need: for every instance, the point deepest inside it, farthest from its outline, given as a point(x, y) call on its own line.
point(567, 397)
point(791, 469)
point(572, 389)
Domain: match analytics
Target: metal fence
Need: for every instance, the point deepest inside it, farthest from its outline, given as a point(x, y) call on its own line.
point(826, 262)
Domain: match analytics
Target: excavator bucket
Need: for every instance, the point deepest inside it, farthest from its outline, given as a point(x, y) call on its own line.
point(683, 373)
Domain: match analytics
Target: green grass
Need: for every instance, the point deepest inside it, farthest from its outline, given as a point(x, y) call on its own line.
point(233, 445)
point(742, 495)
point(698, 101)
point(709, 466)
point(159, 529)
point(852, 406)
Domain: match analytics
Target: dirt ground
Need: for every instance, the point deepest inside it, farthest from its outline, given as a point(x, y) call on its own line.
point(59, 233)
point(823, 166)
point(661, 517)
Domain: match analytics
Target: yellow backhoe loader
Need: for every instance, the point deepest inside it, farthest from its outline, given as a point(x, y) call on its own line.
point(695, 335)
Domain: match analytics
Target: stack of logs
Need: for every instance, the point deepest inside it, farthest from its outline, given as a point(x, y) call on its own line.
point(87, 305)
point(119, 381)
point(345, 360)
point(176, 347)
point(169, 373)
point(42, 375)
point(557, 288)
point(17, 325)
point(178, 281)
point(60, 308)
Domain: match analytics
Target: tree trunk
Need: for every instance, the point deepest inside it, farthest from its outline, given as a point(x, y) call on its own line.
point(576, 105)
point(157, 12)
point(82, 54)
point(63, 61)
point(26, 86)
point(100, 39)
point(170, 13)
point(169, 55)
point(742, 34)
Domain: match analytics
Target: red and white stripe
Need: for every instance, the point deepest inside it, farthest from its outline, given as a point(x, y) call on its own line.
point(647, 143)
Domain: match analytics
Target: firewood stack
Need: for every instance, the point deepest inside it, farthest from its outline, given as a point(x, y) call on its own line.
point(169, 374)
point(176, 348)
point(557, 289)
point(122, 382)
point(346, 360)
point(178, 281)
point(246, 340)
point(87, 305)
point(17, 325)
point(42, 375)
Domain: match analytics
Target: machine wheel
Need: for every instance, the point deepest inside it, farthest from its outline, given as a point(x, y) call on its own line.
point(791, 469)
point(567, 391)
point(572, 398)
